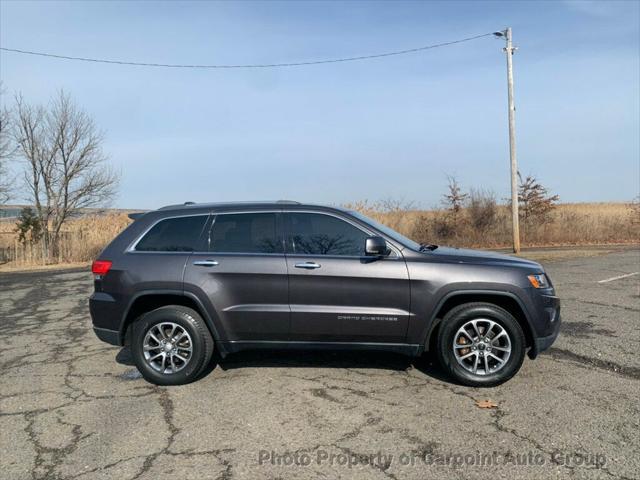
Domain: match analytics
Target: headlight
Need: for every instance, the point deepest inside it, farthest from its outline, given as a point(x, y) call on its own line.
point(539, 281)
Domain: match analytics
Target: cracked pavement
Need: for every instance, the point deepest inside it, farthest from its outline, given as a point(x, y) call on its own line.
point(73, 407)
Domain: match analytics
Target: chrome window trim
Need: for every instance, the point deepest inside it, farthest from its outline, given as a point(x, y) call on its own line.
point(395, 256)
point(239, 254)
point(369, 232)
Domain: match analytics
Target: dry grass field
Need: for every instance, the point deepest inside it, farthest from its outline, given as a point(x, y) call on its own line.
point(568, 224)
point(82, 241)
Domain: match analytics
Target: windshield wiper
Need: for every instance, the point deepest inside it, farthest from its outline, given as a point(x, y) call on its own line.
point(427, 247)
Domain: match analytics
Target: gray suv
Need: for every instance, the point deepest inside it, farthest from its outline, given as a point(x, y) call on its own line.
point(184, 280)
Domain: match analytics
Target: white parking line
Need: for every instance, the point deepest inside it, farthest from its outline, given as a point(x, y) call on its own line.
point(619, 277)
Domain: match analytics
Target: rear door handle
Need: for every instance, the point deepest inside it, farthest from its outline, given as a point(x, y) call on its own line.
point(205, 263)
point(308, 265)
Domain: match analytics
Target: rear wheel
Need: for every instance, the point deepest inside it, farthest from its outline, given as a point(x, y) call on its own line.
point(481, 344)
point(171, 345)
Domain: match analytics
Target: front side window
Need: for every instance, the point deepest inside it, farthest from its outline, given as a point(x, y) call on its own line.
point(317, 234)
point(173, 235)
point(245, 233)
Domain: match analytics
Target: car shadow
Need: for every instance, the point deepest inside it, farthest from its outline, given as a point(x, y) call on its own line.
point(314, 359)
point(425, 364)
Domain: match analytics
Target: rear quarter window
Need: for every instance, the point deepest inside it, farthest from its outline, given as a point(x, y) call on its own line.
point(180, 234)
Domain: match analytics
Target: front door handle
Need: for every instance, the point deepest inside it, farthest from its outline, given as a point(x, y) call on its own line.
point(308, 265)
point(205, 263)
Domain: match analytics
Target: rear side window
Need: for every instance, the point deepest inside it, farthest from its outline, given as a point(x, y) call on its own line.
point(173, 235)
point(317, 234)
point(245, 233)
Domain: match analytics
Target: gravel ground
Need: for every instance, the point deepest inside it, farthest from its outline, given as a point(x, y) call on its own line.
point(72, 407)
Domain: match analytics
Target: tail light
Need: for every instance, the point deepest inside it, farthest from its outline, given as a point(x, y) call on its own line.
point(101, 267)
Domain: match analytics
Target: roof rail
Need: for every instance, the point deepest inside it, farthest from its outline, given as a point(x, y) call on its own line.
point(288, 202)
point(189, 203)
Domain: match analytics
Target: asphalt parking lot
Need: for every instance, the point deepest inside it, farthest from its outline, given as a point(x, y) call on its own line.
point(72, 407)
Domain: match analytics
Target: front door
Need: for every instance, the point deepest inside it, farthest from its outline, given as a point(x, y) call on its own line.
point(243, 273)
point(336, 293)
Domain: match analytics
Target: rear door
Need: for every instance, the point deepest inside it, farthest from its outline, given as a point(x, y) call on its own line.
point(336, 293)
point(242, 272)
point(155, 262)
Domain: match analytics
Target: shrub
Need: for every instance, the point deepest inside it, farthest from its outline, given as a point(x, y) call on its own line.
point(482, 210)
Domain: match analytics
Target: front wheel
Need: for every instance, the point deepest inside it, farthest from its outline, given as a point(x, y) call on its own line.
point(171, 345)
point(481, 344)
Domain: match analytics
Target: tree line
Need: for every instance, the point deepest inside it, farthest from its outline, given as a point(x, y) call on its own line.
point(535, 204)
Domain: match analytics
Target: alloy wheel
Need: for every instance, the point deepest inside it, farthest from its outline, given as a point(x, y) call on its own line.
point(482, 346)
point(167, 347)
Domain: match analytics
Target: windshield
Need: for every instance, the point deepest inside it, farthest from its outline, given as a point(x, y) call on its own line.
point(389, 232)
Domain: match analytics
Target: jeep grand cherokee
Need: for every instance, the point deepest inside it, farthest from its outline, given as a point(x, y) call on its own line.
point(184, 280)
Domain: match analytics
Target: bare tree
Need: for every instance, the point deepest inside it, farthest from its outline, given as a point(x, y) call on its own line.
point(65, 167)
point(394, 206)
point(535, 201)
point(6, 149)
point(455, 199)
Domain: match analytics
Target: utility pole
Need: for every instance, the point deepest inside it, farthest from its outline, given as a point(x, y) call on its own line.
point(509, 50)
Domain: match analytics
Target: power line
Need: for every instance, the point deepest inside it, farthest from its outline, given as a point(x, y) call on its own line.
point(266, 65)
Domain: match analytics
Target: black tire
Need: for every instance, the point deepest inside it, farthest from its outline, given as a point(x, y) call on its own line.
point(192, 323)
point(459, 316)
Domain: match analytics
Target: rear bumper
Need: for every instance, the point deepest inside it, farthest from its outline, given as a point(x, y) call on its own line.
point(108, 336)
point(105, 315)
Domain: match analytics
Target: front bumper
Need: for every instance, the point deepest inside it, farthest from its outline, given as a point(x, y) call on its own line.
point(550, 322)
point(543, 343)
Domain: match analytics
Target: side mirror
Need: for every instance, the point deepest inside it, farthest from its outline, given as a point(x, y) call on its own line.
point(375, 246)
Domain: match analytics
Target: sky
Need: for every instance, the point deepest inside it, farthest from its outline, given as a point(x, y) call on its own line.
point(391, 127)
